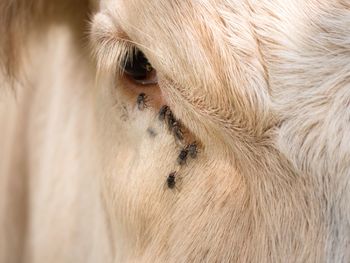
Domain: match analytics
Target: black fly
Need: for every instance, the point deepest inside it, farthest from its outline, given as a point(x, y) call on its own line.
point(141, 101)
point(181, 159)
point(192, 150)
point(162, 112)
point(165, 114)
point(170, 119)
point(171, 180)
point(177, 131)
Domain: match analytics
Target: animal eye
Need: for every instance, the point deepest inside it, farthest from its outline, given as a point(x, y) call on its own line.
point(139, 70)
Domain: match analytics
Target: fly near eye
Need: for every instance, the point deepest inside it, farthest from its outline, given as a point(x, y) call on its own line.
point(138, 69)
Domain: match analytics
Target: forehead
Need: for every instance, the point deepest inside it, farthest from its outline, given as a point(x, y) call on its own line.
point(164, 17)
point(174, 35)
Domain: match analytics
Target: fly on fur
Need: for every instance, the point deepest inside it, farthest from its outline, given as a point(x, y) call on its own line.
point(192, 150)
point(141, 101)
point(171, 180)
point(181, 159)
point(162, 112)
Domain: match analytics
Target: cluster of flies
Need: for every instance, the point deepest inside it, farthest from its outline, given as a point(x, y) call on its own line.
point(174, 126)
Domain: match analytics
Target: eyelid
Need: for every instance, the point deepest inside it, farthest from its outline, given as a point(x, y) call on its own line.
point(153, 80)
point(110, 45)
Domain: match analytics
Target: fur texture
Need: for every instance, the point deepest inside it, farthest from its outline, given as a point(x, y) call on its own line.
point(262, 85)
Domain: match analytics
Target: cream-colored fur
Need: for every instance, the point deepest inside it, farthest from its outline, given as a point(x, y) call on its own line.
point(263, 85)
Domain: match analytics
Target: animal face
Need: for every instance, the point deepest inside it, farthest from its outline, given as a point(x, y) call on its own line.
point(224, 70)
point(215, 131)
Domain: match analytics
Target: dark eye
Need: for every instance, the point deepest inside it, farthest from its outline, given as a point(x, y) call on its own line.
point(139, 70)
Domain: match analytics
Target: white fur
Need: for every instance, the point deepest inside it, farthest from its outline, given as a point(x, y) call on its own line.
point(262, 85)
